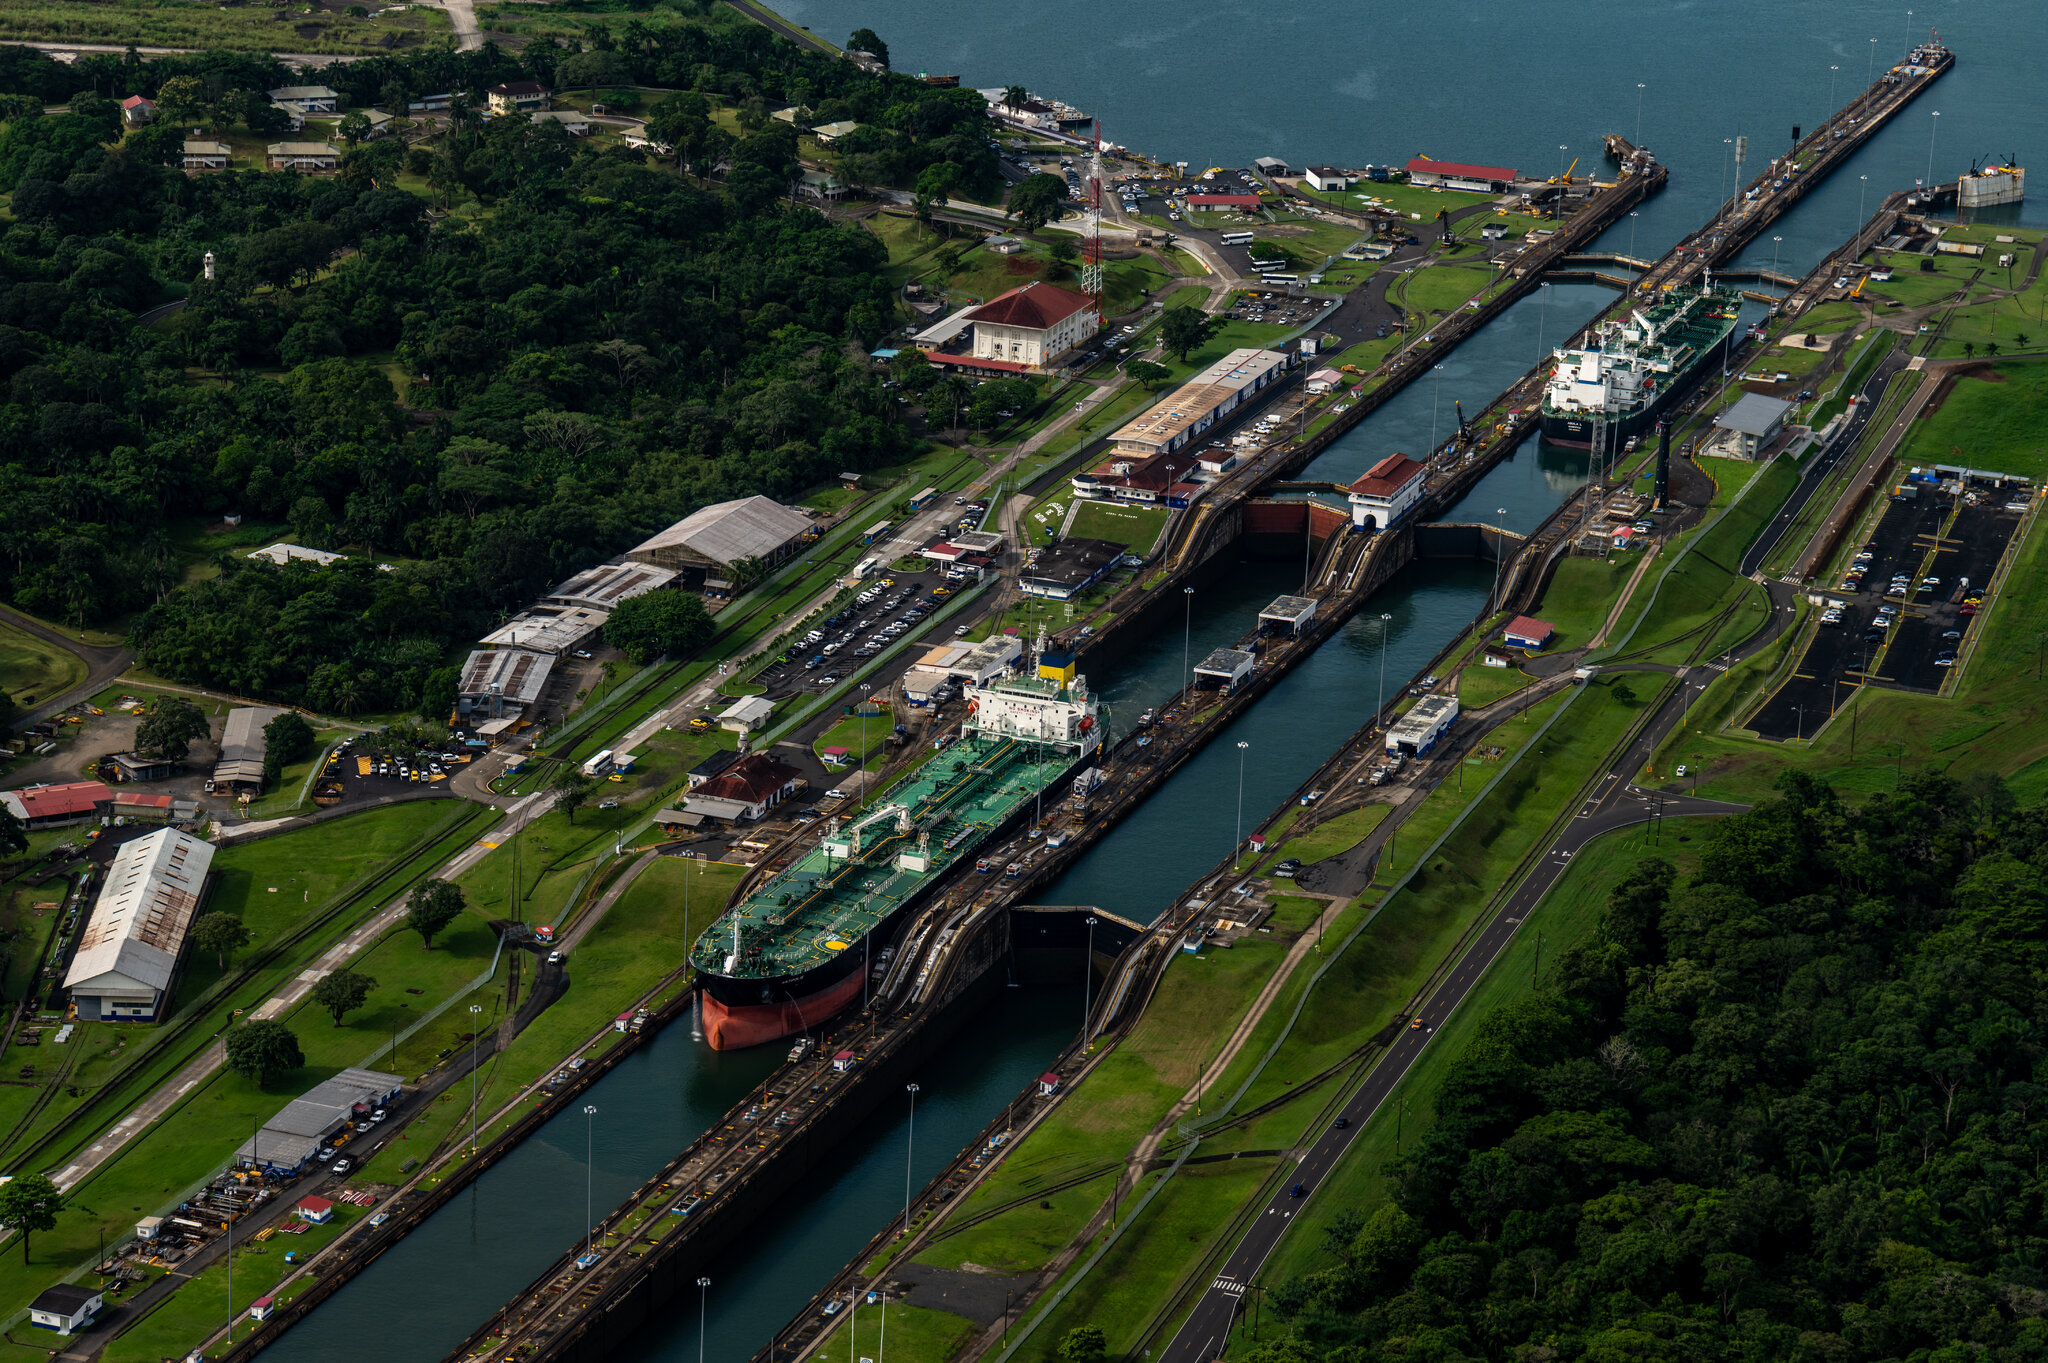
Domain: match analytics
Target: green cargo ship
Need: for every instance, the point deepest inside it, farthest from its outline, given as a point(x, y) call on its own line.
point(795, 951)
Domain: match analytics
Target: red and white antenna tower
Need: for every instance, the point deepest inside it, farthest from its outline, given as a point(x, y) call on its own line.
point(1091, 245)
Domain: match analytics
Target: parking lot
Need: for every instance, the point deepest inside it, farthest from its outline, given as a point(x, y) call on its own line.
point(894, 605)
point(1902, 611)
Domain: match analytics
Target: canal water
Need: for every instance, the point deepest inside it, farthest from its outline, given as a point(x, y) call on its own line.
point(1320, 80)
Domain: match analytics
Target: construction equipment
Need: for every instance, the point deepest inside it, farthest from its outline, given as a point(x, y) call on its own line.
point(1566, 178)
point(1857, 292)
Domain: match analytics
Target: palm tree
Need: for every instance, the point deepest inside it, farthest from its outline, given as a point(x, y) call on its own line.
point(1969, 350)
point(1992, 350)
point(1015, 96)
point(2020, 339)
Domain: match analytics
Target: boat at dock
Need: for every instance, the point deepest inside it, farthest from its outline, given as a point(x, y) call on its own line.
point(1637, 365)
point(795, 952)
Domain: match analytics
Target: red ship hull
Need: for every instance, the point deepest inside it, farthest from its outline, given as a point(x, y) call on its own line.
point(732, 1027)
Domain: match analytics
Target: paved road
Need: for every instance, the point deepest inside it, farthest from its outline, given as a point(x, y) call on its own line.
point(1618, 803)
point(102, 666)
point(1821, 465)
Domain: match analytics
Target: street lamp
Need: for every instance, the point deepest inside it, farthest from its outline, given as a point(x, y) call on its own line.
point(1640, 87)
point(1436, 404)
point(1088, 980)
point(1831, 96)
point(1561, 150)
point(1238, 842)
point(589, 1158)
point(1378, 714)
point(1187, 635)
point(703, 1288)
point(1632, 232)
point(1863, 189)
point(475, 1012)
point(1774, 253)
point(1542, 314)
point(1499, 556)
point(1870, 73)
point(1728, 144)
point(1933, 124)
point(865, 687)
point(909, 1149)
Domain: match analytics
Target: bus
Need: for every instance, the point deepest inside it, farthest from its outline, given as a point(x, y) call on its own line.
point(599, 765)
point(866, 568)
point(1272, 278)
point(1236, 238)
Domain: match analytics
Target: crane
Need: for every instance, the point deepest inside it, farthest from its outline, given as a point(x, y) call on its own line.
point(1566, 178)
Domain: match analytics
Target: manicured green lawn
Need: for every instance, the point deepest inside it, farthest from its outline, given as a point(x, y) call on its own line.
point(1340, 834)
point(1480, 686)
point(1441, 288)
point(1135, 527)
point(31, 670)
point(914, 1334)
point(1996, 425)
point(1581, 595)
point(848, 734)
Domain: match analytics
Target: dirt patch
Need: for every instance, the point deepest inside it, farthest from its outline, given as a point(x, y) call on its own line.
point(1022, 265)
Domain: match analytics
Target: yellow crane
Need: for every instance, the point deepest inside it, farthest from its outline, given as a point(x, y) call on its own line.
point(1566, 178)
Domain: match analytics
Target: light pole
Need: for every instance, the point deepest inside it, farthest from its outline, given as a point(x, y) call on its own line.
point(1499, 556)
point(909, 1151)
point(1238, 842)
point(703, 1289)
point(1640, 87)
point(865, 687)
point(1088, 980)
point(1862, 190)
point(1774, 253)
point(589, 1157)
point(1380, 713)
point(1728, 144)
point(1870, 74)
point(475, 1013)
point(1632, 232)
point(1561, 150)
point(1187, 635)
point(1436, 404)
point(1933, 125)
point(1832, 70)
point(1542, 314)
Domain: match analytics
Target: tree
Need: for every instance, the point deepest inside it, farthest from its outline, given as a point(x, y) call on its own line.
point(1969, 350)
point(935, 184)
point(433, 906)
point(13, 836)
point(1037, 200)
point(263, 1049)
point(572, 791)
point(354, 127)
point(286, 739)
point(1148, 373)
point(1186, 329)
point(28, 1203)
point(219, 933)
point(647, 626)
point(868, 41)
point(1064, 253)
point(1084, 1344)
point(1015, 96)
point(342, 992)
point(168, 729)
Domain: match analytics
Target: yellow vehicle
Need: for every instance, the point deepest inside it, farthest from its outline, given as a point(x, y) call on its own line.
point(96, 709)
point(364, 766)
point(700, 722)
point(1350, 369)
point(942, 591)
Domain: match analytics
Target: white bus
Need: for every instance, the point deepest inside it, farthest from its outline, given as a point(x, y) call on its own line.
point(1271, 278)
point(866, 568)
point(599, 765)
point(1236, 238)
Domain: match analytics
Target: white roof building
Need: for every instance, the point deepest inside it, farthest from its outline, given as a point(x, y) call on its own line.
point(605, 586)
point(746, 714)
point(496, 680)
point(1428, 720)
point(129, 952)
point(547, 629)
point(725, 533)
point(242, 748)
point(281, 554)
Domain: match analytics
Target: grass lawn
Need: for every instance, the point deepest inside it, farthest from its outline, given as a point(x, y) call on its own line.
point(32, 670)
point(1480, 686)
point(1340, 834)
point(1135, 527)
point(1405, 199)
point(847, 734)
point(1996, 424)
point(1440, 288)
point(1581, 594)
point(186, 23)
point(915, 1334)
point(1565, 917)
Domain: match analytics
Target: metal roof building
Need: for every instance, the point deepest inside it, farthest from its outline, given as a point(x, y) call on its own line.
point(1755, 420)
point(547, 629)
point(242, 746)
point(723, 534)
point(496, 678)
point(129, 952)
point(605, 586)
point(55, 806)
point(1225, 667)
point(1428, 720)
point(295, 1134)
point(1288, 613)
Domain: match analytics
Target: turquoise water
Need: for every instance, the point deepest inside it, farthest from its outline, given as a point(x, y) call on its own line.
point(1317, 81)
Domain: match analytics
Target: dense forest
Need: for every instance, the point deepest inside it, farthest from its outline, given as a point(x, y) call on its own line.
point(599, 343)
point(1789, 1107)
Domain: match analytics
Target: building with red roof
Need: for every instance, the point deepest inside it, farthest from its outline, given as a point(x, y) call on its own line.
point(1461, 175)
point(137, 110)
point(747, 789)
point(1032, 326)
point(317, 1210)
point(1149, 481)
point(1389, 490)
point(1526, 632)
point(56, 806)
